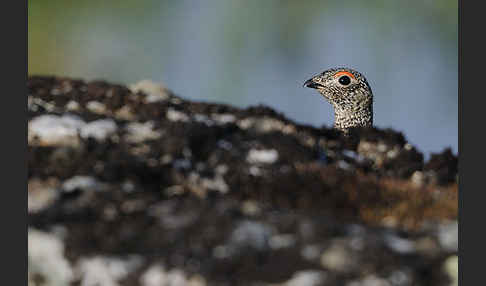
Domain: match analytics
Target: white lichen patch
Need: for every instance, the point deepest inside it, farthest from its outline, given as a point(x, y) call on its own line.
point(201, 185)
point(53, 130)
point(223, 118)
point(33, 104)
point(266, 124)
point(46, 259)
point(175, 190)
point(166, 159)
point(110, 271)
point(96, 107)
point(215, 119)
point(72, 106)
point(401, 276)
point(352, 154)
point(154, 276)
point(41, 194)
point(393, 153)
point(99, 129)
point(307, 278)
point(251, 234)
point(418, 178)
point(370, 280)
point(377, 152)
point(83, 183)
point(154, 91)
point(203, 119)
point(174, 115)
point(451, 268)
point(30, 103)
point(66, 130)
point(338, 257)
point(341, 164)
point(217, 183)
point(124, 113)
point(63, 88)
point(175, 100)
point(142, 150)
point(221, 169)
point(448, 236)
point(157, 275)
point(398, 244)
point(250, 208)
point(266, 156)
point(139, 132)
point(128, 186)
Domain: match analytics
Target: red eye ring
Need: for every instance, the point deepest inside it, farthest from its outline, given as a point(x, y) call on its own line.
point(338, 74)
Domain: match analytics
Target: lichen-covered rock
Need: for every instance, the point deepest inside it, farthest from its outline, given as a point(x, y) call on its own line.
point(136, 186)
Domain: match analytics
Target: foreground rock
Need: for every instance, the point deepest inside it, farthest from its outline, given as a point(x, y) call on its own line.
point(136, 186)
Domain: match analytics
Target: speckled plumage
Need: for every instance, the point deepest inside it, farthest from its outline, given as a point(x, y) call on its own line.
point(352, 102)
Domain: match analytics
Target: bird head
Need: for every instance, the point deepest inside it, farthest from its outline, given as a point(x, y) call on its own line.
point(344, 88)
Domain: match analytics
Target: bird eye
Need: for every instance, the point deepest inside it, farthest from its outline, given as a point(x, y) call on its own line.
point(344, 80)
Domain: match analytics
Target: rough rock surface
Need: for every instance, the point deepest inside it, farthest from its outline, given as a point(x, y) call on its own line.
point(137, 186)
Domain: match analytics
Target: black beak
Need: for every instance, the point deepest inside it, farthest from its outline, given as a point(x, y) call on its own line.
point(311, 84)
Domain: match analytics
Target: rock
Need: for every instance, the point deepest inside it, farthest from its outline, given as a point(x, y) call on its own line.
point(444, 166)
point(151, 189)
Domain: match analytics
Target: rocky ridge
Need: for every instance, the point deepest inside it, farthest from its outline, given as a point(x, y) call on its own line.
point(137, 186)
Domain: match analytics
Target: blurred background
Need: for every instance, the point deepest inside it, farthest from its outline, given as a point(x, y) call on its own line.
point(250, 52)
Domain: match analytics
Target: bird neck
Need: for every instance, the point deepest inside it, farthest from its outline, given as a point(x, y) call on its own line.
point(358, 116)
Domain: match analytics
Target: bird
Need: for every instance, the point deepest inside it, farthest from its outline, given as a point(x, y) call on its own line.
point(348, 91)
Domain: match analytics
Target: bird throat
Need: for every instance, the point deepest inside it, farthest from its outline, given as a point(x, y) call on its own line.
point(359, 116)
